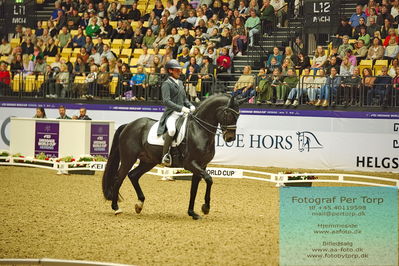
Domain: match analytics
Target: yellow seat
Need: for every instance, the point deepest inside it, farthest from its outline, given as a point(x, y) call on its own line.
point(15, 42)
point(116, 51)
point(113, 85)
point(137, 52)
point(127, 43)
point(75, 51)
point(133, 61)
point(107, 41)
point(126, 52)
point(114, 24)
point(74, 32)
point(72, 59)
point(117, 43)
point(17, 83)
point(79, 79)
point(378, 66)
point(50, 60)
point(39, 81)
point(30, 85)
point(162, 51)
point(134, 24)
point(146, 24)
point(151, 51)
point(124, 60)
point(133, 70)
point(365, 64)
point(66, 52)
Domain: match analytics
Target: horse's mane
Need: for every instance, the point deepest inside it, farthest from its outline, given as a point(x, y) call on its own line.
point(210, 100)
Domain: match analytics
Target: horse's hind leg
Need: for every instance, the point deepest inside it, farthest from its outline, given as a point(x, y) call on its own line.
point(124, 168)
point(134, 177)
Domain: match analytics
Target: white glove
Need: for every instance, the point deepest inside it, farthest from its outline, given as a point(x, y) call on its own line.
point(192, 108)
point(185, 110)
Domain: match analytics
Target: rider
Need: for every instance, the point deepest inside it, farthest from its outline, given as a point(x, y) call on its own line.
point(177, 104)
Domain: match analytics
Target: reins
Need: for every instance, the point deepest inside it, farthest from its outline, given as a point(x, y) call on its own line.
point(218, 129)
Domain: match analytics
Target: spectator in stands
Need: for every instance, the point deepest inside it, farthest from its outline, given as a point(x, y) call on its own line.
point(90, 81)
point(382, 85)
point(124, 79)
point(137, 39)
point(80, 67)
point(245, 84)
point(73, 20)
point(60, 21)
point(79, 40)
point(354, 19)
point(273, 65)
point(261, 87)
point(223, 62)
point(5, 47)
point(62, 113)
point(83, 54)
point(368, 81)
point(198, 44)
point(252, 26)
point(391, 35)
point(225, 38)
point(103, 81)
point(320, 58)
point(372, 27)
point(276, 54)
point(371, 5)
point(149, 39)
point(346, 68)
point(287, 65)
point(363, 35)
point(206, 73)
point(16, 64)
point(137, 82)
point(145, 58)
point(329, 89)
point(395, 91)
point(107, 31)
point(28, 65)
point(64, 38)
point(289, 54)
point(280, 10)
point(392, 67)
point(4, 79)
point(85, 21)
point(184, 57)
point(93, 29)
point(395, 9)
point(40, 65)
point(40, 113)
point(82, 115)
point(158, 8)
point(344, 46)
point(376, 51)
point(289, 82)
point(360, 51)
point(303, 62)
point(362, 24)
point(62, 82)
point(107, 53)
point(27, 47)
point(296, 93)
point(351, 86)
point(351, 57)
point(45, 36)
point(113, 11)
point(267, 17)
point(319, 81)
point(191, 80)
point(392, 50)
point(51, 49)
point(372, 14)
point(386, 26)
point(48, 86)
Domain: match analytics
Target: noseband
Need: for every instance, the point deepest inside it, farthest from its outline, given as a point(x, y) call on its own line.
point(223, 127)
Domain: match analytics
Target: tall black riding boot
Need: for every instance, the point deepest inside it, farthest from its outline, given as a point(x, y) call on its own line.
point(166, 158)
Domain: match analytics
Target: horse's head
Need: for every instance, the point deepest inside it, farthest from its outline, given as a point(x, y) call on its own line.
point(227, 117)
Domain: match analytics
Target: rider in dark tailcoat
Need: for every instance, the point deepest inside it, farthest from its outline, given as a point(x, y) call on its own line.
point(177, 104)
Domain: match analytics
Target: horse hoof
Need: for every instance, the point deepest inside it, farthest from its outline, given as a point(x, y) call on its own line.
point(139, 206)
point(194, 215)
point(118, 211)
point(205, 209)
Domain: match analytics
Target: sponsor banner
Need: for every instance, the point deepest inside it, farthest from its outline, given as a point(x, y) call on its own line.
point(351, 226)
point(316, 139)
point(46, 138)
point(224, 172)
point(99, 139)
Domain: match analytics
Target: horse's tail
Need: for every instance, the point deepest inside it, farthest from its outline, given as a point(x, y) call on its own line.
point(112, 166)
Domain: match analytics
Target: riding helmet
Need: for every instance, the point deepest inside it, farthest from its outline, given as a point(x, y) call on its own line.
point(171, 64)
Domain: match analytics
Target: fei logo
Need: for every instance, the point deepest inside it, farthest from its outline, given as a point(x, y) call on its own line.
point(395, 143)
point(307, 141)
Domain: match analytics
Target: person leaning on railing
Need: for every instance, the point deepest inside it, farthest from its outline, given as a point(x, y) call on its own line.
point(289, 82)
point(303, 87)
point(381, 88)
point(329, 89)
point(4, 79)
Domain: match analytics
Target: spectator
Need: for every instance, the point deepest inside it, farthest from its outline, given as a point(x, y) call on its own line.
point(137, 39)
point(354, 19)
point(319, 59)
point(223, 62)
point(60, 21)
point(184, 57)
point(346, 68)
point(371, 15)
point(395, 9)
point(245, 84)
point(48, 86)
point(360, 51)
point(306, 84)
point(113, 11)
point(124, 79)
point(289, 54)
point(62, 113)
point(107, 31)
point(89, 44)
point(137, 82)
point(225, 38)
point(303, 62)
point(85, 21)
point(287, 64)
point(28, 65)
point(64, 38)
point(145, 58)
point(153, 85)
point(280, 10)
point(198, 44)
point(149, 39)
point(372, 26)
point(62, 82)
point(273, 65)
point(381, 87)
point(5, 47)
point(376, 51)
point(298, 46)
point(261, 87)
point(27, 47)
point(83, 54)
point(40, 113)
point(4, 79)
point(395, 90)
point(93, 30)
point(329, 89)
point(191, 83)
point(344, 46)
point(351, 57)
point(40, 65)
point(192, 62)
point(392, 50)
point(370, 7)
point(318, 82)
point(276, 54)
point(79, 40)
point(45, 36)
point(252, 26)
point(206, 73)
point(103, 81)
point(362, 24)
point(80, 68)
point(392, 35)
point(368, 81)
point(16, 64)
point(384, 31)
point(351, 86)
point(363, 35)
point(73, 20)
point(392, 68)
point(225, 24)
point(82, 115)
point(51, 48)
point(289, 82)
point(158, 9)
point(211, 53)
point(107, 53)
point(267, 17)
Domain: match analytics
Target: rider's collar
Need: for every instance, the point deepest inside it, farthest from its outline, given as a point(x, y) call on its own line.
point(175, 80)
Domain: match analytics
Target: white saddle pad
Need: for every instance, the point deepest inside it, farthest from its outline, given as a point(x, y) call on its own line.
point(154, 139)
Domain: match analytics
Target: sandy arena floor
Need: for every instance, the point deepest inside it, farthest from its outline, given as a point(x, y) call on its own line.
point(66, 217)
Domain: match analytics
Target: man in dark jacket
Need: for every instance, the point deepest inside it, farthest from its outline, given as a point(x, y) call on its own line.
point(177, 104)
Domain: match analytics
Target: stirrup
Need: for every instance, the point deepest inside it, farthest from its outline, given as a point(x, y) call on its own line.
point(167, 160)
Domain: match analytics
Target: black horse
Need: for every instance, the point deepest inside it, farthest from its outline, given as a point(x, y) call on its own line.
point(198, 148)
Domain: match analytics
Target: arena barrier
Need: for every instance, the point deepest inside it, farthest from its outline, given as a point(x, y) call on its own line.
point(280, 179)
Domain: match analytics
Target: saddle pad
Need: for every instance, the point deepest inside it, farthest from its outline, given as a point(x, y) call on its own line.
point(154, 139)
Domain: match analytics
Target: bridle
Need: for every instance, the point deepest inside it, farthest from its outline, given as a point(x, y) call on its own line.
point(223, 127)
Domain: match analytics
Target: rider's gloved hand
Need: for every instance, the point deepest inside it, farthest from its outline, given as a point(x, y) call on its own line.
point(192, 108)
point(185, 110)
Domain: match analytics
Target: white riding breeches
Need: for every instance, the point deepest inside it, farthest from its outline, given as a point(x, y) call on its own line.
point(171, 123)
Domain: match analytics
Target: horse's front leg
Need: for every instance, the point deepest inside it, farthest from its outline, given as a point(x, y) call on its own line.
point(198, 173)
